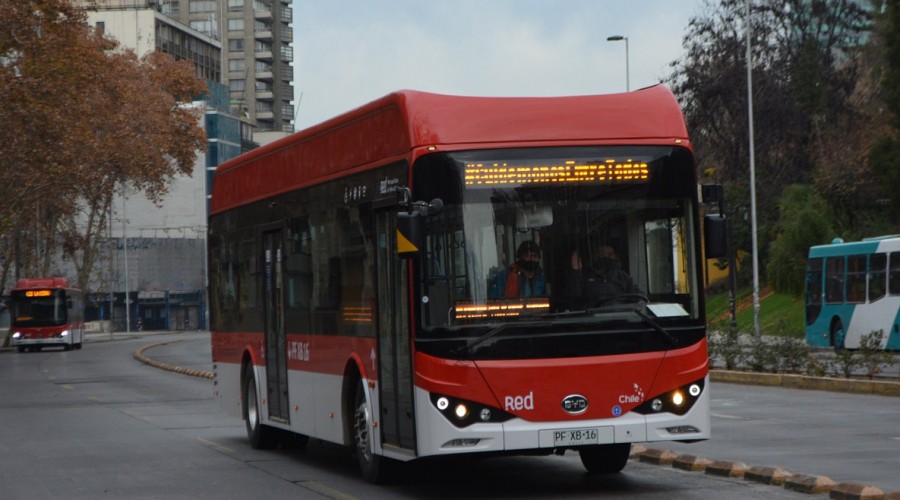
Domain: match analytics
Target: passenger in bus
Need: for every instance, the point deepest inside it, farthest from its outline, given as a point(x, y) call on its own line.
point(601, 279)
point(524, 278)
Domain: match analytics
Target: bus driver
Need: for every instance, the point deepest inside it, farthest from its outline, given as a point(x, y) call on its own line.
point(602, 280)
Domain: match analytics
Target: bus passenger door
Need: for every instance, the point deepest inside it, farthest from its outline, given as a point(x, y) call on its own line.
point(394, 351)
point(276, 355)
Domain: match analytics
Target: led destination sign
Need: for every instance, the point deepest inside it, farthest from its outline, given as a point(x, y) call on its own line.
point(37, 293)
point(570, 171)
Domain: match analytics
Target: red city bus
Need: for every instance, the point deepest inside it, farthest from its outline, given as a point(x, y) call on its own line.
point(367, 286)
point(46, 312)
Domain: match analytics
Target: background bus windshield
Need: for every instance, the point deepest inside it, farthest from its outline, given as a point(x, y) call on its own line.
point(571, 232)
point(41, 310)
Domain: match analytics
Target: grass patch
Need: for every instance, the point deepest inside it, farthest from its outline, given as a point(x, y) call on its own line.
point(779, 314)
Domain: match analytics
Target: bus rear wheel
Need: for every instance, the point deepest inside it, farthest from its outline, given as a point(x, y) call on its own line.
point(375, 469)
point(837, 335)
point(261, 436)
point(605, 458)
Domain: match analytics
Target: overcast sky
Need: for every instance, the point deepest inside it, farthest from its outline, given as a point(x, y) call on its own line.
point(349, 52)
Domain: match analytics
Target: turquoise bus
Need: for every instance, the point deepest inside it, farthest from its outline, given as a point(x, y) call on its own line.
point(852, 290)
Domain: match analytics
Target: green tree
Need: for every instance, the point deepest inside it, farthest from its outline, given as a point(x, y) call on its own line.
point(805, 68)
point(82, 120)
point(884, 155)
point(805, 220)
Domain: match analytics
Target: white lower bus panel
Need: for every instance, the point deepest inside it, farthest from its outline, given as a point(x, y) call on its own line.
point(437, 436)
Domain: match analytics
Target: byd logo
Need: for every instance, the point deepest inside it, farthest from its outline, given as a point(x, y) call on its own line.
point(575, 404)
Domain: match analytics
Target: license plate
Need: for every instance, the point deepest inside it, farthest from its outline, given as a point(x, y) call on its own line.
point(576, 437)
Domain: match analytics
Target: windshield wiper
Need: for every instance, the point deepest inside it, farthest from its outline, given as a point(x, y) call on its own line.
point(471, 343)
point(653, 324)
point(636, 309)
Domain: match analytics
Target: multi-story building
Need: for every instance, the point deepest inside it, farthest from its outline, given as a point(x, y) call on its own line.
point(257, 57)
point(157, 253)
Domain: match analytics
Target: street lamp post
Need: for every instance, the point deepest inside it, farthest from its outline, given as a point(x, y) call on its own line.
point(618, 38)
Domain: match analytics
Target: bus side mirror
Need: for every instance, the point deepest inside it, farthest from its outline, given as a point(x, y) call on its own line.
point(410, 231)
point(409, 234)
point(714, 236)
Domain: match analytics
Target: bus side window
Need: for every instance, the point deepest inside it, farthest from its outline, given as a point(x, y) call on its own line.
point(894, 276)
point(856, 278)
point(877, 273)
point(834, 280)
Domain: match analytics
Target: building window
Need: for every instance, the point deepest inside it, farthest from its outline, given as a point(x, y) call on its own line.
point(237, 65)
point(235, 4)
point(235, 25)
point(101, 27)
point(203, 26)
point(236, 85)
point(263, 67)
point(202, 6)
point(236, 44)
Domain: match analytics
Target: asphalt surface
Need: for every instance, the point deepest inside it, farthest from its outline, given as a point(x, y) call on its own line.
point(797, 481)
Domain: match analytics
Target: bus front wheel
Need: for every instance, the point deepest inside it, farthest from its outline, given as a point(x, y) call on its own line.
point(375, 469)
point(605, 458)
point(837, 335)
point(261, 436)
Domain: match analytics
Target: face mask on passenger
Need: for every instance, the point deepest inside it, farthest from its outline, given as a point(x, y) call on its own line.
point(527, 265)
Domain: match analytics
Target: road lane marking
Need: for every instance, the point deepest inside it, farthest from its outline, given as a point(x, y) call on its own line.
point(722, 415)
point(216, 446)
point(325, 490)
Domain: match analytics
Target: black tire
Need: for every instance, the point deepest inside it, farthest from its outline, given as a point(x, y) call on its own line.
point(375, 469)
point(838, 335)
point(20, 348)
point(605, 458)
point(261, 436)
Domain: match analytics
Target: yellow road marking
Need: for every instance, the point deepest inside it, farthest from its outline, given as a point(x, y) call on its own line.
point(216, 446)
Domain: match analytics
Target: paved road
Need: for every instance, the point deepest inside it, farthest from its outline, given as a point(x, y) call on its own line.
point(846, 437)
point(96, 423)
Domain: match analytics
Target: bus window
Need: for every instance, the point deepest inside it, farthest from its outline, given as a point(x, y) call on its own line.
point(813, 290)
point(894, 276)
point(856, 279)
point(877, 273)
point(834, 280)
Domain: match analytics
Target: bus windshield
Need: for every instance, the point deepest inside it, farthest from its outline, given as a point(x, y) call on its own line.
point(579, 234)
point(38, 308)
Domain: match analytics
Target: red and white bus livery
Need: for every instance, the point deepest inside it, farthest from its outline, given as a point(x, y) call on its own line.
point(431, 275)
point(46, 312)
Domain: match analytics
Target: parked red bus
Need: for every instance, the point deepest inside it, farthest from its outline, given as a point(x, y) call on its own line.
point(353, 269)
point(46, 312)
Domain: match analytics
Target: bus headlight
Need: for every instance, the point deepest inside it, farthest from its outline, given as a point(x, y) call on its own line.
point(64, 333)
point(462, 413)
point(678, 401)
point(17, 335)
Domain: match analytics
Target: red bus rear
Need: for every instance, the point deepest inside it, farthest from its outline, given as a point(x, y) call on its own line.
point(432, 275)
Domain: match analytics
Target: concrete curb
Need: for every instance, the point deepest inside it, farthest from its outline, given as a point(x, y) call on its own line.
point(139, 355)
point(876, 387)
point(775, 476)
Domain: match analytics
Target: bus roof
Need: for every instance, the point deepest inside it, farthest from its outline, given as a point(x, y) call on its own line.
point(33, 283)
point(394, 125)
point(839, 247)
